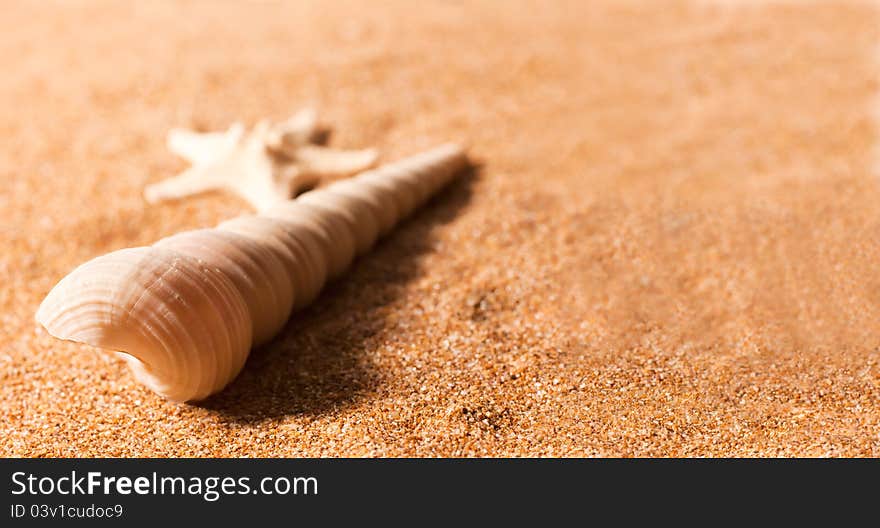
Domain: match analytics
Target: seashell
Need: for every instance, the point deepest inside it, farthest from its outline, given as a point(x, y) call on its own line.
point(186, 311)
point(299, 248)
point(255, 270)
point(184, 325)
point(337, 240)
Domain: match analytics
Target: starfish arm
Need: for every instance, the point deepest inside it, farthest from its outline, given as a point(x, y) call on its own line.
point(262, 183)
point(194, 180)
point(201, 148)
point(300, 128)
point(328, 162)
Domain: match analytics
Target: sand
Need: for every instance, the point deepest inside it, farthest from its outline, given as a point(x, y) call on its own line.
point(670, 247)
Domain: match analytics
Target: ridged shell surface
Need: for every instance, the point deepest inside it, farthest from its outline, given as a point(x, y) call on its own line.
point(186, 311)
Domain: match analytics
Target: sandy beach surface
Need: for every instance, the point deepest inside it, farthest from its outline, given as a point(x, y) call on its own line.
point(670, 246)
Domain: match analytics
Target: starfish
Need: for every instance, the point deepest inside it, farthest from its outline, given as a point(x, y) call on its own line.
point(267, 165)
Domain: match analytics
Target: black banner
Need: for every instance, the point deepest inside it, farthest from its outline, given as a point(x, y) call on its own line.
point(120, 492)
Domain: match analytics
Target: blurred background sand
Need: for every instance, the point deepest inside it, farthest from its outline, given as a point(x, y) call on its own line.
point(670, 249)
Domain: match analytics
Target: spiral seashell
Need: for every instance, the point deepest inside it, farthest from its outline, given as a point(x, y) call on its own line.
point(186, 311)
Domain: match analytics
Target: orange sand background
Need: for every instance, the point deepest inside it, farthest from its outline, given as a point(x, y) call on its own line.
point(671, 248)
